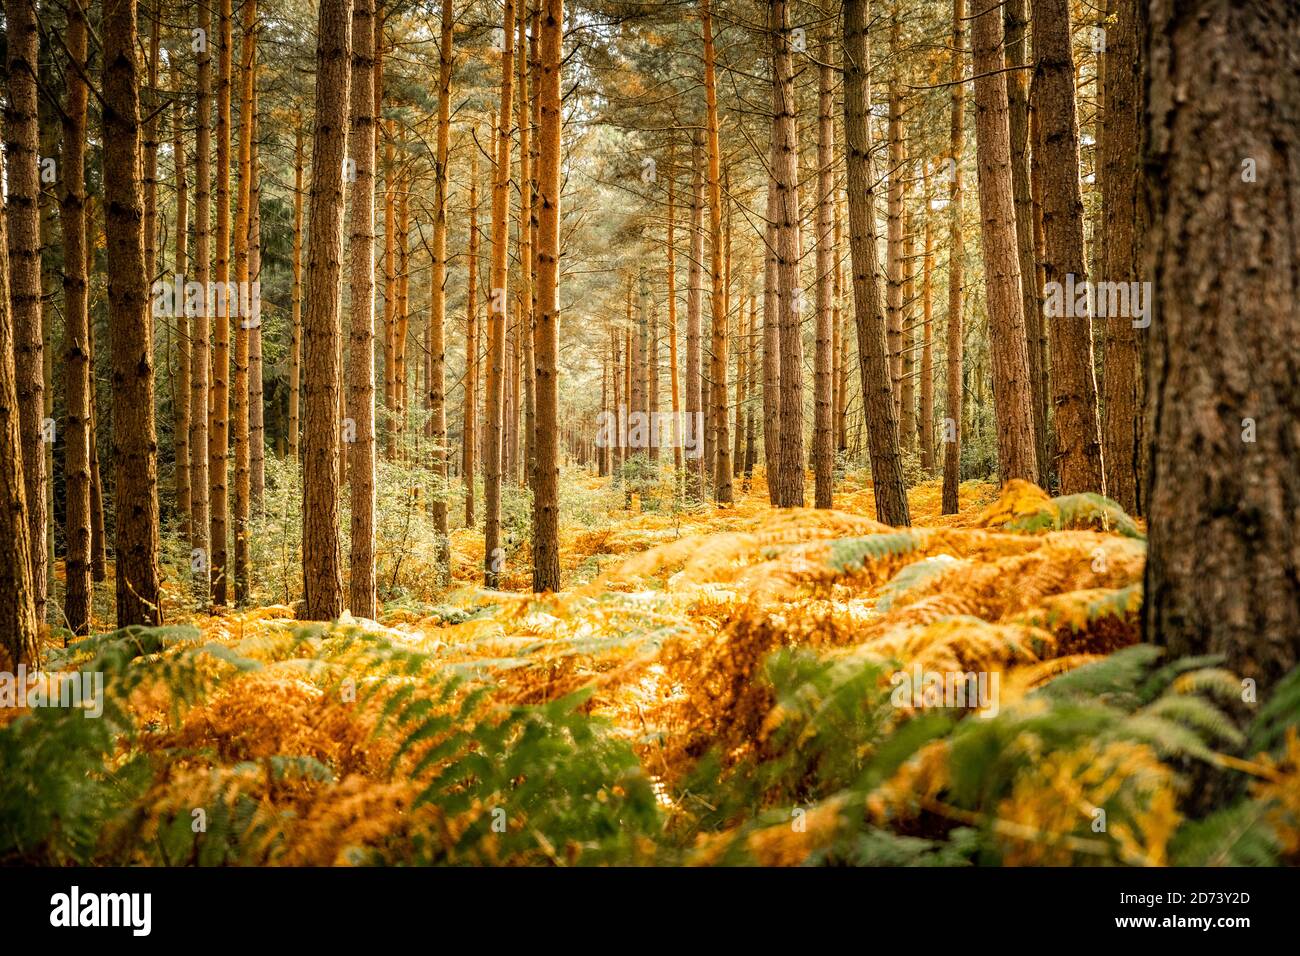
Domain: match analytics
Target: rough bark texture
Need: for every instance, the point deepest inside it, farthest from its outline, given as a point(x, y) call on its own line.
point(694, 305)
point(295, 308)
point(135, 445)
point(22, 201)
point(77, 376)
point(361, 354)
point(322, 576)
point(19, 634)
point(1123, 228)
point(242, 323)
point(219, 411)
point(436, 384)
point(873, 357)
point(470, 415)
point(546, 509)
point(1017, 457)
point(1223, 567)
point(1056, 153)
point(180, 266)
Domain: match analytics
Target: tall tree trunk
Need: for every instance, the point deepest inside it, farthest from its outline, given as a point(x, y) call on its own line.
point(673, 379)
point(771, 349)
point(1074, 384)
point(24, 248)
point(295, 309)
point(470, 427)
point(952, 423)
point(694, 307)
point(256, 385)
point(181, 410)
point(894, 217)
point(1123, 228)
point(873, 356)
point(436, 384)
point(321, 560)
point(98, 536)
point(77, 441)
point(907, 385)
point(1015, 21)
point(200, 324)
point(243, 204)
point(927, 333)
point(824, 359)
point(546, 505)
point(785, 168)
point(19, 631)
point(1017, 457)
point(361, 377)
point(219, 424)
point(139, 595)
point(493, 556)
point(1223, 566)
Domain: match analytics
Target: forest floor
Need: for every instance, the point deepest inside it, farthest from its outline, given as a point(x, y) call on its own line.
point(744, 684)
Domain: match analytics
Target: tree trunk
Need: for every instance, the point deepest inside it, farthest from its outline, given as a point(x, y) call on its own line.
point(1223, 566)
point(78, 439)
point(243, 205)
point(321, 560)
point(23, 195)
point(295, 344)
point(219, 424)
point(1074, 384)
point(493, 556)
point(722, 492)
point(256, 385)
point(952, 423)
point(873, 357)
point(824, 359)
point(789, 294)
point(1017, 457)
point(470, 425)
point(1015, 20)
point(546, 505)
point(361, 377)
point(200, 325)
point(181, 398)
point(436, 384)
point(1123, 228)
point(694, 307)
point(927, 333)
point(139, 595)
point(19, 633)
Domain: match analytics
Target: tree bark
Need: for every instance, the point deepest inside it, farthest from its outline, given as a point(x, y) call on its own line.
point(470, 415)
point(1056, 153)
point(1223, 566)
point(135, 444)
point(546, 505)
point(694, 307)
point(1017, 457)
point(952, 423)
point(361, 376)
point(22, 201)
point(873, 357)
point(1123, 230)
point(243, 206)
point(321, 560)
point(219, 423)
point(824, 358)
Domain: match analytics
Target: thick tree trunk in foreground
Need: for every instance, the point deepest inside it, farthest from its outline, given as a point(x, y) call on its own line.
point(135, 443)
point(1223, 571)
point(19, 633)
point(546, 505)
point(1123, 228)
point(1056, 154)
point(322, 576)
point(361, 376)
point(873, 357)
point(22, 160)
point(1017, 457)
